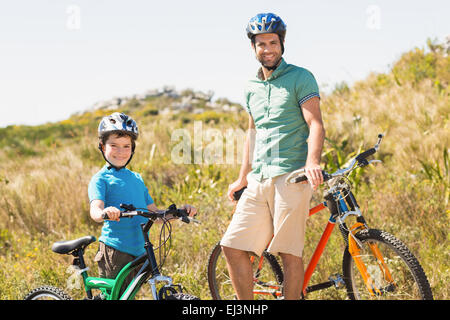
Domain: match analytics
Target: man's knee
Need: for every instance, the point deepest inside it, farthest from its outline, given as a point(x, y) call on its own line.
point(232, 254)
point(290, 260)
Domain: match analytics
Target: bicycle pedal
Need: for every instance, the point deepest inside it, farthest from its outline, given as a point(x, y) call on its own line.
point(337, 280)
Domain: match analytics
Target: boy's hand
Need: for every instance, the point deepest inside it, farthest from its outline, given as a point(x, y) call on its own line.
point(192, 212)
point(113, 213)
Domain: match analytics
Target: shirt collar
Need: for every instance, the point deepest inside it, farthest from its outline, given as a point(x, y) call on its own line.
point(109, 169)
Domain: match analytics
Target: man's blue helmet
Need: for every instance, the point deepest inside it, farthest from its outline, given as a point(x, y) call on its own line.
point(266, 23)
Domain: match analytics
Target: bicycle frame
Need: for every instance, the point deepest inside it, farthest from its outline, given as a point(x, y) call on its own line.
point(339, 210)
point(110, 288)
point(314, 260)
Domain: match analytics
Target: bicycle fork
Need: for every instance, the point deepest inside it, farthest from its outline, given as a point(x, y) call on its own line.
point(159, 278)
point(354, 245)
point(354, 248)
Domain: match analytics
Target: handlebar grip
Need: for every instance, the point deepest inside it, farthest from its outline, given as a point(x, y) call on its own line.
point(237, 195)
point(365, 154)
point(106, 217)
point(325, 176)
point(300, 179)
point(182, 213)
point(185, 219)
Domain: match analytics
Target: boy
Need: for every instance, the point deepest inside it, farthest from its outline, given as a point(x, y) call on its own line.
point(121, 241)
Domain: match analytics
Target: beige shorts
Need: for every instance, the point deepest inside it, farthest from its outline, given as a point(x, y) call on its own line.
point(269, 209)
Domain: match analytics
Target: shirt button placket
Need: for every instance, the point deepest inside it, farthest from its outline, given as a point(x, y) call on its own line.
point(266, 131)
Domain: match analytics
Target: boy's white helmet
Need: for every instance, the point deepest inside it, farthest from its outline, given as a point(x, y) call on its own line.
point(118, 122)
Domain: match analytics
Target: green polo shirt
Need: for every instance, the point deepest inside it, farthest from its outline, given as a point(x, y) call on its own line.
point(281, 130)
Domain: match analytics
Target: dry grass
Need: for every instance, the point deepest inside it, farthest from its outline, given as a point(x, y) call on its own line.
point(43, 197)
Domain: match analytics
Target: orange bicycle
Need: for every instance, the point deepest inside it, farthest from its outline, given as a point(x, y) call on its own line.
point(376, 265)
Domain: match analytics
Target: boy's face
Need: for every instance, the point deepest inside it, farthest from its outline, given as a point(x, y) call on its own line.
point(117, 150)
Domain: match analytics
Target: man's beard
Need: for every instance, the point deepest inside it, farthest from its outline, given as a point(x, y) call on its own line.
point(267, 65)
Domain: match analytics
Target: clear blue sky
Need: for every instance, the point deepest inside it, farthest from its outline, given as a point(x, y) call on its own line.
point(58, 57)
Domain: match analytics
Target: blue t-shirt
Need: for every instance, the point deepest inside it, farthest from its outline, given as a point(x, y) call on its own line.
point(114, 187)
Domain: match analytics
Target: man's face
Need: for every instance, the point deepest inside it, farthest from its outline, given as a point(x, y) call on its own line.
point(267, 47)
point(117, 150)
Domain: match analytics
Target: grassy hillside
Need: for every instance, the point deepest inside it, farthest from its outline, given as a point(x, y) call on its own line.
point(45, 170)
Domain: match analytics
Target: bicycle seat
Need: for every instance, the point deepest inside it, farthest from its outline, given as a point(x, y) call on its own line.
point(70, 245)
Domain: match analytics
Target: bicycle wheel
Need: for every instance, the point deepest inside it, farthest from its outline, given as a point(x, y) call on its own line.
point(398, 275)
point(267, 278)
point(47, 293)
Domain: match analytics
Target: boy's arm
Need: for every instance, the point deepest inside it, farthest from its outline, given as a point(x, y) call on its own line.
point(152, 207)
point(98, 209)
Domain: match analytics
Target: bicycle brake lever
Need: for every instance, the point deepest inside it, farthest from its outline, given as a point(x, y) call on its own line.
point(194, 220)
point(371, 161)
point(185, 219)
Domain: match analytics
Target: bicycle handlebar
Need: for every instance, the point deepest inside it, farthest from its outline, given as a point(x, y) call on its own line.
point(170, 213)
point(360, 160)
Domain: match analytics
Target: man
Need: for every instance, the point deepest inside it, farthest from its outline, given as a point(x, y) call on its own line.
point(286, 130)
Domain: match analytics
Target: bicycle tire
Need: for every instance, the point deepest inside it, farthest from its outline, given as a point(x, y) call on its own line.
point(47, 293)
point(215, 285)
point(409, 278)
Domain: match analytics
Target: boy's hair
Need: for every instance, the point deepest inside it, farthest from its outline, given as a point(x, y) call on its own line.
point(119, 133)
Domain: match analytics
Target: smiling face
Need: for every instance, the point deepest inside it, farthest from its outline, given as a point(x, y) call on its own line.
point(117, 149)
point(268, 49)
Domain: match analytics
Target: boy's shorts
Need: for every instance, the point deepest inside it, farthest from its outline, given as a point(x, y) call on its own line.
point(110, 263)
point(270, 208)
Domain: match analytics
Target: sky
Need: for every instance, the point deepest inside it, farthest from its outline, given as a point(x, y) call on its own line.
point(59, 57)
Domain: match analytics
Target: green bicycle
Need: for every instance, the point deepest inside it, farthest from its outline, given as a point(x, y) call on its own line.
point(149, 269)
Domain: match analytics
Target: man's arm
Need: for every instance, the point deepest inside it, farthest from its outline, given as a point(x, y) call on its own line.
point(313, 117)
point(246, 165)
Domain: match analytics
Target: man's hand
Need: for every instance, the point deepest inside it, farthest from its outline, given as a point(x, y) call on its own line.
point(235, 186)
point(314, 175)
